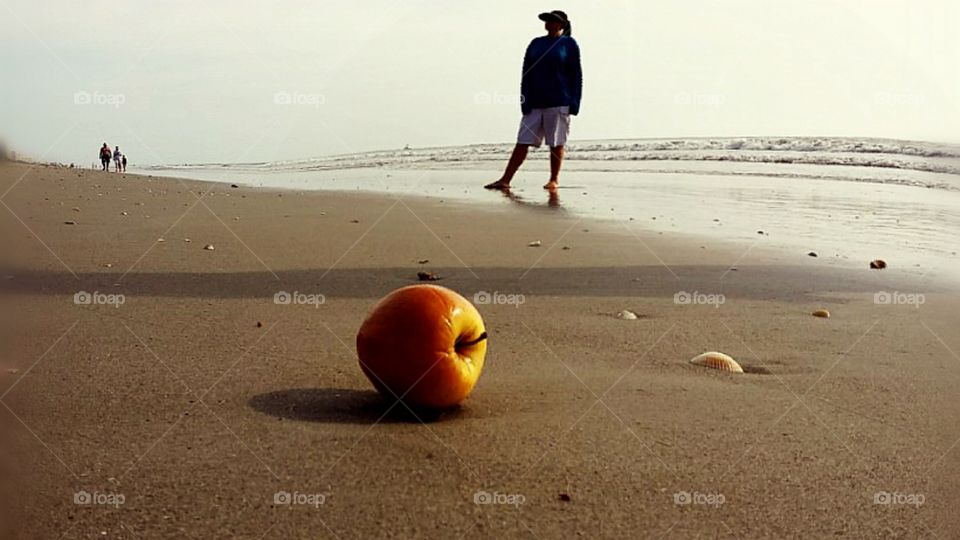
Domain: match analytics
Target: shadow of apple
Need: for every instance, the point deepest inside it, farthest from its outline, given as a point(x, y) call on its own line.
point(343, 406)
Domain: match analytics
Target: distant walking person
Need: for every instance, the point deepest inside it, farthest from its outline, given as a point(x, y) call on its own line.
point(117, 157)
point(123, 162)
point(550, 89)
point(105, 157)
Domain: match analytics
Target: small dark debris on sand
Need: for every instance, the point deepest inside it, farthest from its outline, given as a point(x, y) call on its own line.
point(427, 276)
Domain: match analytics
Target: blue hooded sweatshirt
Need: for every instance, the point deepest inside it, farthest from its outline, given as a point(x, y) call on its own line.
point(551, 74)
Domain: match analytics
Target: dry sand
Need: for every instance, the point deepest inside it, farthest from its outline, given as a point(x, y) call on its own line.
point(186, 409)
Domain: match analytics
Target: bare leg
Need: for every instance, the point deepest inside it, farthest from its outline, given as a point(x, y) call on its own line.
point(556, 159)
point(516, 159)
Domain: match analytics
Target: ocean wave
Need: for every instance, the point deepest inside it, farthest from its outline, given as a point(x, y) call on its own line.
point(918, 156)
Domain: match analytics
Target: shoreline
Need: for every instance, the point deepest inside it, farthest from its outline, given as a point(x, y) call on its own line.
point(841, 221)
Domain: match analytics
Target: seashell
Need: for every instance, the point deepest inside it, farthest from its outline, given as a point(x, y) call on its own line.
point(627, 315)
point(209, 247)
point(161, 240)
point(535, 243)
point(717, 360)
point(878, 264)
point(821, 313)
point(812, 254)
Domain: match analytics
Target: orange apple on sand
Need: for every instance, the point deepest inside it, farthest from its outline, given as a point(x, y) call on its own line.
point(423, 344)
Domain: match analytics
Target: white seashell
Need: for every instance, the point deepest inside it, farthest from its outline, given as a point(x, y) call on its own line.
point(627, 315)
point(717, 360)
point(209, 247)
point(535, 243)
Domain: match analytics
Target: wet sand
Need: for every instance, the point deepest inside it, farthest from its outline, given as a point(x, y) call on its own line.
point(194, 407)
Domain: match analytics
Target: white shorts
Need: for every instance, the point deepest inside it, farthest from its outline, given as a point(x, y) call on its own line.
point(552, 124)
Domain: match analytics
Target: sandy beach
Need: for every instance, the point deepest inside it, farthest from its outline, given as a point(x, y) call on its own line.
point(181, 401)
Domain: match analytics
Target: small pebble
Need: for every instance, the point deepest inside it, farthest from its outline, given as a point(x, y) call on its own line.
point(535, 243)
point(209, 247)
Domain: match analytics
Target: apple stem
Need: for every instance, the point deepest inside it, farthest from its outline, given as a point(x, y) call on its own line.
point(482, 337)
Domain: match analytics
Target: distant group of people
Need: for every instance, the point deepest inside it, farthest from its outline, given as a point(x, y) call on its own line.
point(119, 159)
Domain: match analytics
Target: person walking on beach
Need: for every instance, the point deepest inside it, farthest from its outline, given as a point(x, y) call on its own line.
point(550, 89)
point(116, 158)
point(105, 157)
point(123, 162)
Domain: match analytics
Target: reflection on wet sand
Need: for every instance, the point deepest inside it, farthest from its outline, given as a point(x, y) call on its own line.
point(553, 199)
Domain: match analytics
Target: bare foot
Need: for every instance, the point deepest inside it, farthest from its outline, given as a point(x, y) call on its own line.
point(551, 185)
point(499, 184)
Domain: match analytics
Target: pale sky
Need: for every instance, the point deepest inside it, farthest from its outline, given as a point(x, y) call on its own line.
point(235, 80)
